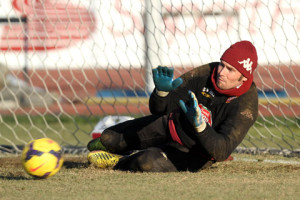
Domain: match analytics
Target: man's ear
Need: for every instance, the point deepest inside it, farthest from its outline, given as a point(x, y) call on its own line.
point(244, 79)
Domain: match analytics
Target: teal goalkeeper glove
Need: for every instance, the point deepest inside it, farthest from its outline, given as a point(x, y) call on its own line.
point(193, 112)
point(163, 79)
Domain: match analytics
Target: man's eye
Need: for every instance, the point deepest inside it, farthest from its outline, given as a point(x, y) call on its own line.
point(230, 69)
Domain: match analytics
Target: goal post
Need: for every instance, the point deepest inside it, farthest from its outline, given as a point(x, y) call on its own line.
point(66, 65)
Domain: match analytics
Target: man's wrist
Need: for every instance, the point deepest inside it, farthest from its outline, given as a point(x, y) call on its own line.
point(200, 128)
point(161, 93)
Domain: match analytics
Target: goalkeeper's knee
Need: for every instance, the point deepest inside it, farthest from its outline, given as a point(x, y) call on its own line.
point(148, 160)
point(114, 142)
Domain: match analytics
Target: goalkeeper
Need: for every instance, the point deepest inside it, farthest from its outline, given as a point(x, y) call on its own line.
point(197, 119)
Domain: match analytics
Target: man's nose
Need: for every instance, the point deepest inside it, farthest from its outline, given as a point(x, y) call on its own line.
point(222, 71)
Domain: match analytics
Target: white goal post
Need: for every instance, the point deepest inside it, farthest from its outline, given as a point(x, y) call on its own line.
point(64, 65)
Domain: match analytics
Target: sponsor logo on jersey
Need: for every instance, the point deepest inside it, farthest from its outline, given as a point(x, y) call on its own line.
point(207, 93)
point(206, 114)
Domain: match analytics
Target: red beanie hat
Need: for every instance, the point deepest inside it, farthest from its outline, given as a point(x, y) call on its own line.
point(242, 55)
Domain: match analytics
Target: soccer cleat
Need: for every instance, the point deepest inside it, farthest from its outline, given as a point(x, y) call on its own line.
point(95, 144)
point(103, 159)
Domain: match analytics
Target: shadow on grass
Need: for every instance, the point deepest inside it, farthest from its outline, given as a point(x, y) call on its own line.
point(74, 164)
point(10, 177)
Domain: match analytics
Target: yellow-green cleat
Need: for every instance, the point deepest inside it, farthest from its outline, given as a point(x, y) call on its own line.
point(95, 144)
point(103, 159)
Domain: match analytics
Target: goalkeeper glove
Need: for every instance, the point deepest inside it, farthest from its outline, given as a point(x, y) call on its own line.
point(163, 80)
point(193, 112)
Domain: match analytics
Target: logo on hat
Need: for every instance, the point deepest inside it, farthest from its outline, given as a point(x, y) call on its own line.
point(247, 64)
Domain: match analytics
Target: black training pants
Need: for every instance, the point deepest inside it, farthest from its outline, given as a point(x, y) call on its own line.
point(156, 151)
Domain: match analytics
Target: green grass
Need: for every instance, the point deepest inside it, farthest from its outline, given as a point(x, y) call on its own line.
point(226, 180)
point(279, 133)
point(69, 131)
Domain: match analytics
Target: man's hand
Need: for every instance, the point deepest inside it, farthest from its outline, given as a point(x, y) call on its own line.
point(163, 79)
point(193, 112)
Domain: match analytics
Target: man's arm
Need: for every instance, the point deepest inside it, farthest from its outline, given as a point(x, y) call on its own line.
point(163, 80)
point(218, 141)
point(221, 141)
point(192, 80)
point(164, 84)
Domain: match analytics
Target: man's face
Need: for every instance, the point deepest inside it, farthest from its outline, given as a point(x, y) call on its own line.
point(229, 77)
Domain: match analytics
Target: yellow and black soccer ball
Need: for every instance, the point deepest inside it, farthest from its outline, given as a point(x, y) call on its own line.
point(42, 158)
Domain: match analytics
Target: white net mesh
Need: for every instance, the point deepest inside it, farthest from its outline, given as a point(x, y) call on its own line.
point(66, 64)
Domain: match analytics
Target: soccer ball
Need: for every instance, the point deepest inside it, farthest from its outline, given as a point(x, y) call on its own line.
point(42, 158)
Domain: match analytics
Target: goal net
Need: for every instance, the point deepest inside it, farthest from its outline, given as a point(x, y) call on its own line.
point(69, 66)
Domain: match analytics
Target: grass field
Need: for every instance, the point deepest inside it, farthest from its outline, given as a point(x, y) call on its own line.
point(225, 180)
point(239, 179)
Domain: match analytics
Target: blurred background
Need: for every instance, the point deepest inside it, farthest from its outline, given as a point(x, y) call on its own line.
point(70, 68)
